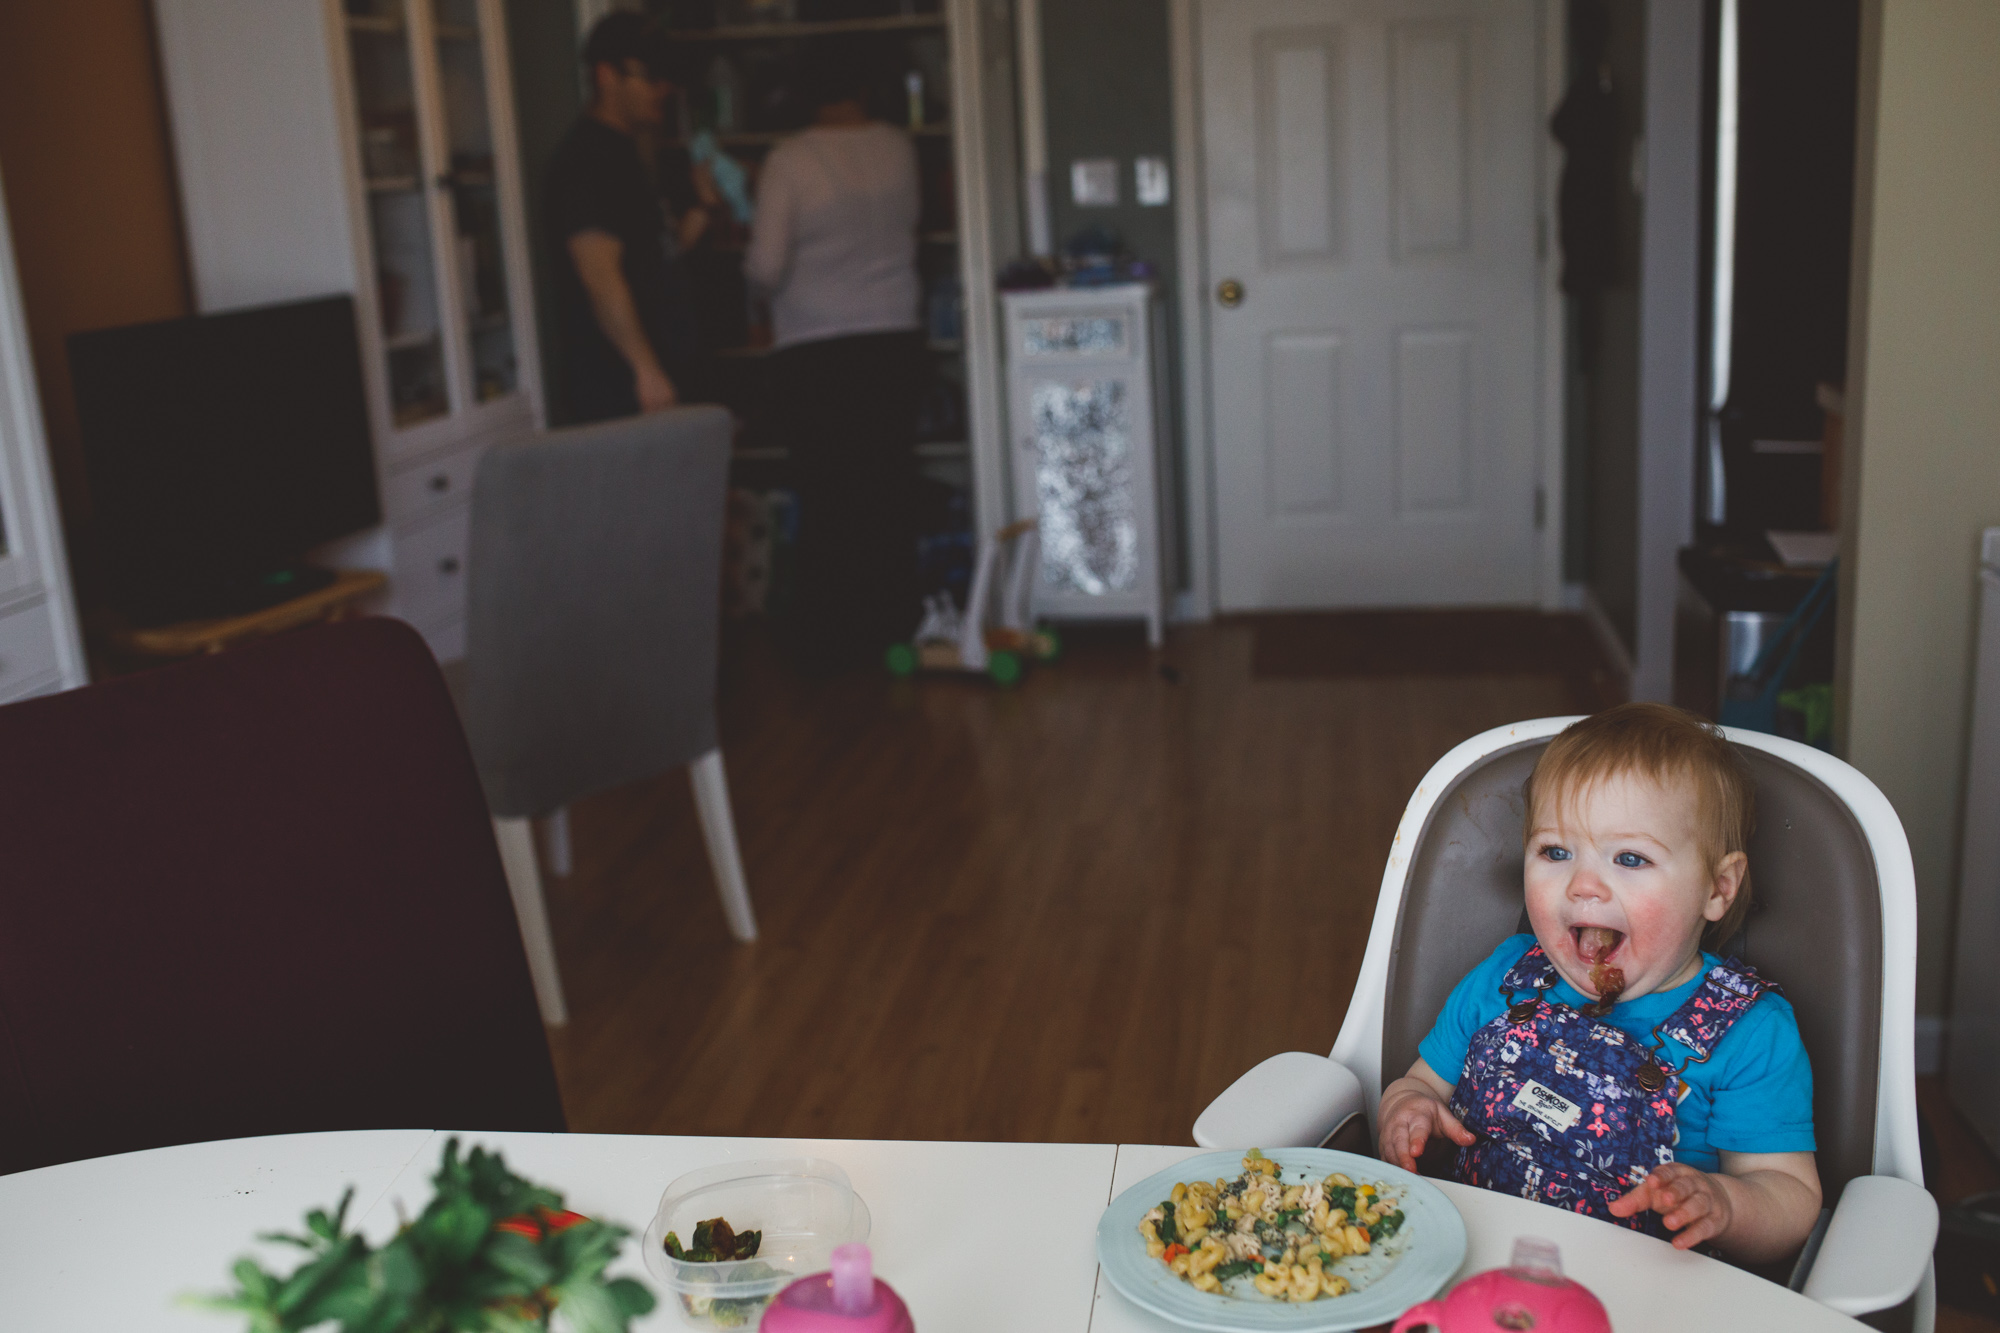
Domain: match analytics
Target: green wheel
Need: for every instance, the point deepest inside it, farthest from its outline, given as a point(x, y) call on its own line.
point(1051, 643)
point(1004, 667)
point(901, 659)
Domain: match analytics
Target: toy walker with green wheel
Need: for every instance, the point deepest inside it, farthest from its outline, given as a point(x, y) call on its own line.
point(949, 639)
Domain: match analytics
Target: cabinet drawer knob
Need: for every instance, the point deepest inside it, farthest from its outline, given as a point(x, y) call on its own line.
point(441, 483)
point(448, 565)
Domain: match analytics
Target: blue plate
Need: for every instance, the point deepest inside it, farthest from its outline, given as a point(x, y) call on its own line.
point(1411, 1266)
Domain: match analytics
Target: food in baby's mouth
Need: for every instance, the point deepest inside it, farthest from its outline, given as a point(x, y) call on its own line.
point(1596, 943)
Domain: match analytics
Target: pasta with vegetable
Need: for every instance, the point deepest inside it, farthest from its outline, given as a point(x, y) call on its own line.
point(1286, 1238)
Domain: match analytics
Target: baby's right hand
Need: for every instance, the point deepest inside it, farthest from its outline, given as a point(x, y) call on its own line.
point(1411, 1113)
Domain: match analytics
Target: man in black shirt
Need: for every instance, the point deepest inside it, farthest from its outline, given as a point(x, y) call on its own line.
point(625, 319)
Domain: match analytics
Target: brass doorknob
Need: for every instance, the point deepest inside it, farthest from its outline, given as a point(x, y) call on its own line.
point(1229, 292)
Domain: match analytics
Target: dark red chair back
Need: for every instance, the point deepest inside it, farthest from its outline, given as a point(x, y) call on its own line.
point(256, 894)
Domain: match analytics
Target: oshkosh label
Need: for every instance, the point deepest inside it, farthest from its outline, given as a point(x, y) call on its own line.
point(1549, 1107)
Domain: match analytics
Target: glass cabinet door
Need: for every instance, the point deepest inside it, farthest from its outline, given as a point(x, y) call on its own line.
point(1079, 447)
point(407, 291)
point(471, 177)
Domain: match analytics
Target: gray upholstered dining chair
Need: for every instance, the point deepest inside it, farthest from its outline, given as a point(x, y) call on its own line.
point(592, 626)
point(1834, 921)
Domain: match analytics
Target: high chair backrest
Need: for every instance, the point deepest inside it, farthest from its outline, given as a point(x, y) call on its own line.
point(1833, 922)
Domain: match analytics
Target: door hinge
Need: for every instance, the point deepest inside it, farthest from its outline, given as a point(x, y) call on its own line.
point(1541, 509)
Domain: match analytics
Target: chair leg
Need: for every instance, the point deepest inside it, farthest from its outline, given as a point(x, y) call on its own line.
point(555, 838)
point(718, 829)
point(524, 883)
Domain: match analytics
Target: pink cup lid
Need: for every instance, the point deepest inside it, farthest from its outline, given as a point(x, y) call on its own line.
point(853, 1279)
point(848, 1299)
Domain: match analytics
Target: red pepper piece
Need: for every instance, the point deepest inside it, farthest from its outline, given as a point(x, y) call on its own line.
point(543, 1222)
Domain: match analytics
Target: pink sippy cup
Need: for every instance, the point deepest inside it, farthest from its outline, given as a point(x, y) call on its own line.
point(1530, 1293)
point(849, 1299)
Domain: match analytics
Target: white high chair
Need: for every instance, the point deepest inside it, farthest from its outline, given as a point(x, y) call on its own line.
point(1833, 921)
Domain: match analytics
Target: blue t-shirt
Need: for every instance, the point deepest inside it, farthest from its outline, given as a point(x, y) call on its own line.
point(1753, 1095)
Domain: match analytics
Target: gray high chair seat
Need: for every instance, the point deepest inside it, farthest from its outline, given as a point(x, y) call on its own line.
point(592, 632)
point(1833, 922)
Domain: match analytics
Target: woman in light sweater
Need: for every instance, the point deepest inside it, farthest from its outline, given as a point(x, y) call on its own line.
point(834, 246)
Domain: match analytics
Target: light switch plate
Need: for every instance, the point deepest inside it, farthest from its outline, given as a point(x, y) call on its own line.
point(1151, 181)
point(1093, 182)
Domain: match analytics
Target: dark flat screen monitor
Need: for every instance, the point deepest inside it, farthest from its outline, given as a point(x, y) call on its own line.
point(220, 449)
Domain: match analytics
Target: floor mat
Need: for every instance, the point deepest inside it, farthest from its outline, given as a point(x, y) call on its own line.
point(1373, 644)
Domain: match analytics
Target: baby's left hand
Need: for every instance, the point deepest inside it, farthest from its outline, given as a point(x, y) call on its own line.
point(1692, 1204)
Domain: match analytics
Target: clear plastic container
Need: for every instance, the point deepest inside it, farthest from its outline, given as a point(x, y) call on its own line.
point(804, 1206)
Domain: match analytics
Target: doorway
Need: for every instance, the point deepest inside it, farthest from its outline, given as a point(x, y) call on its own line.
point(1370, 176)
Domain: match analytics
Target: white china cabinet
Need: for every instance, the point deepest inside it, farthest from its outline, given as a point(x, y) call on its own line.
point(368, 147)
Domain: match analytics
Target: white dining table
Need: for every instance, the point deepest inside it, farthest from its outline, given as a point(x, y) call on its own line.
point(975, 1236)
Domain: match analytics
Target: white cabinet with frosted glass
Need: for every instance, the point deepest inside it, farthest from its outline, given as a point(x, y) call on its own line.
point(367, 147)
point(1088, 411)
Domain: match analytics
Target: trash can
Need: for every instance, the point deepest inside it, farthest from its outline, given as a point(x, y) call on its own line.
point(1727, 608)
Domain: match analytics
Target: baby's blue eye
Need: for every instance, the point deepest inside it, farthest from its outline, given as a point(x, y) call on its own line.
point(1556, 853)
point(1630, 860)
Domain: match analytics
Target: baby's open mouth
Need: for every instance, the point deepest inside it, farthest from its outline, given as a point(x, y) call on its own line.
point(1596, 944)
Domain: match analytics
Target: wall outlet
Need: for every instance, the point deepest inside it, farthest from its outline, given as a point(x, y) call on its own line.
point(1151, 181)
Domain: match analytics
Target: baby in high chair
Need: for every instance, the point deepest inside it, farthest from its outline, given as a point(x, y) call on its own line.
point(1606, 1064)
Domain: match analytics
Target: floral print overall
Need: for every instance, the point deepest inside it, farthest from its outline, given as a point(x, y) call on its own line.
point(1574, 1112)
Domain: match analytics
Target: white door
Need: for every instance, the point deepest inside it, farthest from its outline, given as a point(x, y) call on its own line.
point(1371, 177)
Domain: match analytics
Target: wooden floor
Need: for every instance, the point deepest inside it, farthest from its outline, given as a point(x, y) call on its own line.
point(1073, 911)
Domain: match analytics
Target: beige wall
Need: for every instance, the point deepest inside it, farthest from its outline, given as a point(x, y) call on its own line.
point(1924, 399)
point(90, 192)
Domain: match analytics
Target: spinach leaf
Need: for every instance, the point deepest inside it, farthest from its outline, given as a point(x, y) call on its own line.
point(715, 1241)
point(1386, 1226)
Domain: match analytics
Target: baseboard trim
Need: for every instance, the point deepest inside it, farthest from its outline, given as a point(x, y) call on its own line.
point(1930, 1044)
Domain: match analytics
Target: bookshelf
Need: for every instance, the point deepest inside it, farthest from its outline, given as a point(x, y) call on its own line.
point(767, 32)
point(740, 90)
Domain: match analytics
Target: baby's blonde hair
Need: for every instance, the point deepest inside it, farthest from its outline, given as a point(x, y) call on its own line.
point(1669, 746)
